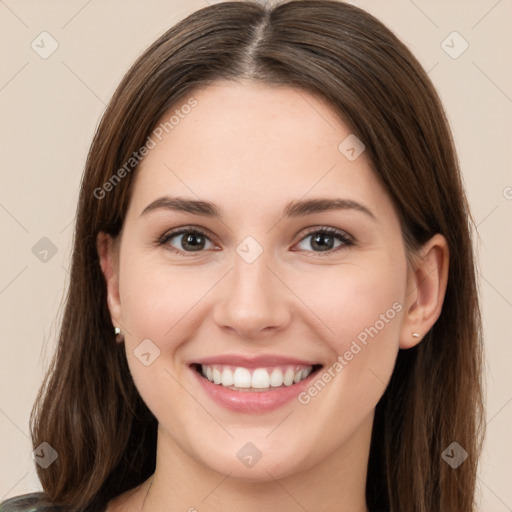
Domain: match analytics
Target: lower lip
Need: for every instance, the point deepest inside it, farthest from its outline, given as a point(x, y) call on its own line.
point(252, 401)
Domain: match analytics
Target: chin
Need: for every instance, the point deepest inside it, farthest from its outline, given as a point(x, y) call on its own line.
point(247, 463)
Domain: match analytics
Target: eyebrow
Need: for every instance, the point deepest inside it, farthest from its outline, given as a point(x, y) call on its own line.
point(297, 208)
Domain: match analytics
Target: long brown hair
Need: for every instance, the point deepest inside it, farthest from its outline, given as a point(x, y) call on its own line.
point(88, 408)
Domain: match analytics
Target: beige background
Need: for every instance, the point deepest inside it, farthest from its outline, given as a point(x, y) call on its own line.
point(51, 107)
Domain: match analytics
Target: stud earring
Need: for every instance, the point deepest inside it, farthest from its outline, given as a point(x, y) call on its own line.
point(119, 336)
point(415, 335)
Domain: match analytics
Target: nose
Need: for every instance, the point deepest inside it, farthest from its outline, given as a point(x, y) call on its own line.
point(253, 300)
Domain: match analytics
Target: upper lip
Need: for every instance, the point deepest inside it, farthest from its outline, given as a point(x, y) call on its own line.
point(253, 361)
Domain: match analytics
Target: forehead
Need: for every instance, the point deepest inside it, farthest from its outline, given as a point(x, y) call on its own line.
point(245, 144)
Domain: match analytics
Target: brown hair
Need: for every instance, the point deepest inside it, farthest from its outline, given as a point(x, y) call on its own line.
point(88, 408)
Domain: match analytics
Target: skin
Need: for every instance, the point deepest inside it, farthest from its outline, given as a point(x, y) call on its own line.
point(250, 149)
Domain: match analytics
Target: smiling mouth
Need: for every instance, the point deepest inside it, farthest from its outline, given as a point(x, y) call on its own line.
point(238, 378)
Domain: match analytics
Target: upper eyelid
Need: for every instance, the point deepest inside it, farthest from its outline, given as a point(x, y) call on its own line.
point(308, 232)
point(187, 229)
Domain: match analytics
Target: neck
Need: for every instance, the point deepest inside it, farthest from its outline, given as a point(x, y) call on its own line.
point(335, 484)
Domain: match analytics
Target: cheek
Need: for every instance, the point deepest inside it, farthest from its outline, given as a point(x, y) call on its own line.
point(361, 305)
point(157, 301)
point(155, 296)
point(366, 315)
point(363, 311)
point(353, 301)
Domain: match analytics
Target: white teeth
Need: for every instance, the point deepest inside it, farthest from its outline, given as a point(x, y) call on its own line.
point(260, 378)
point(227, 377)
point(217, 377)
point(288, 377)
point(276, 378)
point(242, 378)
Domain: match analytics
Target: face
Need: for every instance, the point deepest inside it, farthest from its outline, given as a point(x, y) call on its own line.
point(260, 292)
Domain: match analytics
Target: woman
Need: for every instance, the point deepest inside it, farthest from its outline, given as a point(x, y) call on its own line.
point(314, 341)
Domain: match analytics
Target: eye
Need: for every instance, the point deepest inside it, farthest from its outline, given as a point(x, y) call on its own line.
point(325, 237)
point(195, 240)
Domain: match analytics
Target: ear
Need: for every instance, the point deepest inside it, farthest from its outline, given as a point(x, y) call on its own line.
point(108, 253)
point(426, 287)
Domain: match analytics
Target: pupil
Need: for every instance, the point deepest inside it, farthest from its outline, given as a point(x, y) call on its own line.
point(319, 237)
point(191, 239)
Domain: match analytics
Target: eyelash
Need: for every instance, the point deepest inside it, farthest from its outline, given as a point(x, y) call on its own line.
point(341, 235)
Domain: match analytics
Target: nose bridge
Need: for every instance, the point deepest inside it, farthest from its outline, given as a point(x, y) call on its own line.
point(254, 299)
point(251, 279)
